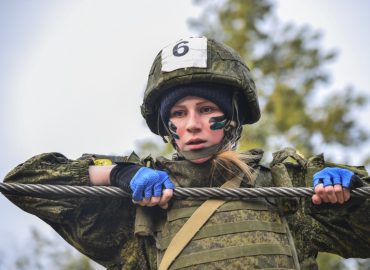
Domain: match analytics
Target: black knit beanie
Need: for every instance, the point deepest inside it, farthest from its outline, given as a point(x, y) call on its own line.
point(219, 94)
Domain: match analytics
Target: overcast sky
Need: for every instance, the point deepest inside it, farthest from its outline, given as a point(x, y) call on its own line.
point(72, 74)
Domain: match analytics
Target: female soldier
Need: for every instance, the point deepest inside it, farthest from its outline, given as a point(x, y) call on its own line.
point(199, 94)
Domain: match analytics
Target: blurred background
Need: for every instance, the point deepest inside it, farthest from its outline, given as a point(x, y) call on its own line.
point(72, 76)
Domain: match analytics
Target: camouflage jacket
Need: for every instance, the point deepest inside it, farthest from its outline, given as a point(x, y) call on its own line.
point(102, 228)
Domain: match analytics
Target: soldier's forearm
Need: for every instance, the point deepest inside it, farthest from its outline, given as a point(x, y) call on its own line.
point(100, 175)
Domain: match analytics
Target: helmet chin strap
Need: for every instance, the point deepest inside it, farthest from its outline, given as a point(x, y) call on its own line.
point(200, 153)
point(233, 130)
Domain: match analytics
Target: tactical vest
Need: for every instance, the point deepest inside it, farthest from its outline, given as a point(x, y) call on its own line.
point(245, 233)
point(240, 235)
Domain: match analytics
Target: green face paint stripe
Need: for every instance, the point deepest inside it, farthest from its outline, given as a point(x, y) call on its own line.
point(216, 126)
point(172, 127)
point(173, 130)
point(177, 137)
point(219, 122)
point(217, 119)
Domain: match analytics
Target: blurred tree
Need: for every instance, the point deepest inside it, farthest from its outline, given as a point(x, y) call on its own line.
point(327, 261)
point(363, 264)
point(43, 252)
point(288, 66)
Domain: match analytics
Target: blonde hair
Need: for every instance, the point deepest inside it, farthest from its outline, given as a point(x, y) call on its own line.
point(233, 161)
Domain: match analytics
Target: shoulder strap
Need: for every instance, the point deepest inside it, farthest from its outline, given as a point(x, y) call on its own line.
point(194, 224)
point(283, 154)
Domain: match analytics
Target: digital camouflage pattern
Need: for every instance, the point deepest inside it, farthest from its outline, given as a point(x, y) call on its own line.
point(224, 65)
point(281, 178)
point(103, 227)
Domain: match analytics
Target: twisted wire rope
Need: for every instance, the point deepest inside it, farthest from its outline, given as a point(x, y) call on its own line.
point(179, 193)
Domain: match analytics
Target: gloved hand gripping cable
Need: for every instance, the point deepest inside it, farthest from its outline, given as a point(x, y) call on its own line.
point(337, 176)
point(143, 182)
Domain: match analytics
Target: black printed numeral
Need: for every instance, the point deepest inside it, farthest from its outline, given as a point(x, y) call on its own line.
point(176, 49)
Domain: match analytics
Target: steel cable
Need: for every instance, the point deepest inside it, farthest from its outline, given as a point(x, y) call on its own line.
point(179, 193)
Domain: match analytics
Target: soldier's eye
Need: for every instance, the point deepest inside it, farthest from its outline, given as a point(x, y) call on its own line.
point(178, 113)
point(207, 109)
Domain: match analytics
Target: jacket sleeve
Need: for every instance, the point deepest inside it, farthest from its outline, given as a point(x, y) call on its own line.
point(99, 227)
point(345, 232)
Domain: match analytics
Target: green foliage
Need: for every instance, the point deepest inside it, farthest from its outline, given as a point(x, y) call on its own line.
point(288, 65)
point(329, 261)
point(43, 252)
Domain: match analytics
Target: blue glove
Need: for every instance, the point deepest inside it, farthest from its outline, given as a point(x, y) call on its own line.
point(332, 176)
point(148, 182)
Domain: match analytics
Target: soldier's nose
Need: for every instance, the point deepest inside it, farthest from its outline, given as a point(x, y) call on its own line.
point(194, 123)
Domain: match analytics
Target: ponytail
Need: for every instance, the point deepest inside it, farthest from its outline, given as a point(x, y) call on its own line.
point(233, 161)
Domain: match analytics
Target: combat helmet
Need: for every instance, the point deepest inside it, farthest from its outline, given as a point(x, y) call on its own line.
point(195, 60)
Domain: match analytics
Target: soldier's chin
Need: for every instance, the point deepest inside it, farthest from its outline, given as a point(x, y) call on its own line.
point(201, 160)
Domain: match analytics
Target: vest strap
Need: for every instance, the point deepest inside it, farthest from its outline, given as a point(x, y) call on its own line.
point(194, 224)
point(292, 245)
point(230, 253)
point(229, 228)
point(256, 204)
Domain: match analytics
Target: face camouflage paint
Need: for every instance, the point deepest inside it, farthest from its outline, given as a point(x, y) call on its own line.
point(173, 129)
point(189, 120)
point(219, 122)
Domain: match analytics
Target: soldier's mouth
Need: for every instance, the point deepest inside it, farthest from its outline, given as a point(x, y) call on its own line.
point(195, 142)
